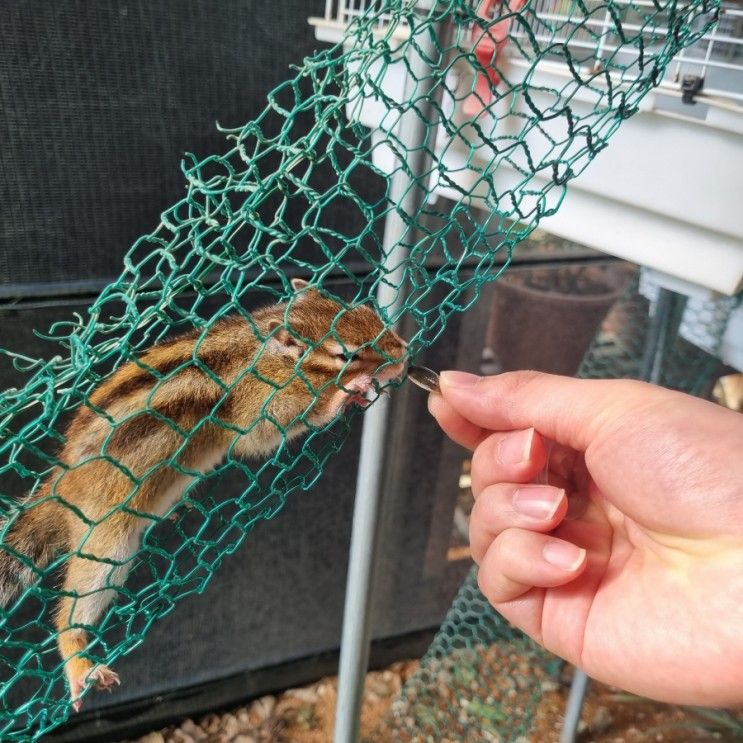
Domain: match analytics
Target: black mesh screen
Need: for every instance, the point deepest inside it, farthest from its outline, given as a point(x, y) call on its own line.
point(98, 102)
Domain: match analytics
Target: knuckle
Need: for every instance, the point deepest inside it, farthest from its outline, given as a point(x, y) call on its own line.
point(490, 504)
point(507, 389)
point(503, 548)
point(482, 457)
point(514, 382)
point(487, 582)
point(480, 522)
point(494, 557)
point(492, 581)
point(478, 515)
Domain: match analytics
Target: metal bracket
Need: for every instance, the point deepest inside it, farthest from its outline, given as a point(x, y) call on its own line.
point(691, 86)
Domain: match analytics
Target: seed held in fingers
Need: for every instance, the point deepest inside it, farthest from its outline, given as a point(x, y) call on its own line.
point(424, 377)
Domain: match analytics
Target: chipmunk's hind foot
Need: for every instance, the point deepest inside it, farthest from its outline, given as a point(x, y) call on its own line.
point(104, 678)
point(82, 674)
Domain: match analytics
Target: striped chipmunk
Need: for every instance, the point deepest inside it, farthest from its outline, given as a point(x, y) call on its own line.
point(258, 365)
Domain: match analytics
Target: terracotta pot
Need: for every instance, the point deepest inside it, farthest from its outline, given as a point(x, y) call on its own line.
point(545, 319)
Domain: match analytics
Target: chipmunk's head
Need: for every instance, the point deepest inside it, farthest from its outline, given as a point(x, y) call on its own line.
point(348, 345)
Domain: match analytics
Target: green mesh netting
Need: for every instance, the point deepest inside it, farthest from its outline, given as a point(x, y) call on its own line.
point(235, 238)
point(482, 680)
point(479, 681)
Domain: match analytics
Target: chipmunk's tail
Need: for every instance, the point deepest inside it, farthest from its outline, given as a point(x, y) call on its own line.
point(28, 540)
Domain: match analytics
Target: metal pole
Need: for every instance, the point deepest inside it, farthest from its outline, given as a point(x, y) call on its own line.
point(650, 371)
point(658, 330)
point(574, 706)
point(407, 191)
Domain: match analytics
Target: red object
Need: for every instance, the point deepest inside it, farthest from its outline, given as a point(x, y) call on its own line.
point(488, 46)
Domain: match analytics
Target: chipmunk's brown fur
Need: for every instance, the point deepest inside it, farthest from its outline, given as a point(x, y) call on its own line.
point(165, 410)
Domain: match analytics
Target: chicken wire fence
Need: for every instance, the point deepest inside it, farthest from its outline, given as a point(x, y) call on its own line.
point(90, 572)
point(481, 680)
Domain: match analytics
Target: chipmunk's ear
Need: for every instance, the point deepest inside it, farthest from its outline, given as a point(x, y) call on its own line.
point(303, 291)
point(283, 341)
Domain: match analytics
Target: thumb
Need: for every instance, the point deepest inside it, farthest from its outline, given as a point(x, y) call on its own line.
point(568, 411)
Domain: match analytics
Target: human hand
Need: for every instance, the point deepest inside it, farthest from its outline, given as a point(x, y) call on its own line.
point(643, 587)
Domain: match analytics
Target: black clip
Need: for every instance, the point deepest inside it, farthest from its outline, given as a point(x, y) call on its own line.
point(691, 85)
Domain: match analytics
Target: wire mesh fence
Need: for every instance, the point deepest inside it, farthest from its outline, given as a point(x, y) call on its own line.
point(148, 397)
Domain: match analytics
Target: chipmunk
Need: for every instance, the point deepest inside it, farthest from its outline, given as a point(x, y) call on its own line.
point(278, 375)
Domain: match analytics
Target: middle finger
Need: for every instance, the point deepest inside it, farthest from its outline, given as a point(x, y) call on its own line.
point(507, 456)
point(507, 505)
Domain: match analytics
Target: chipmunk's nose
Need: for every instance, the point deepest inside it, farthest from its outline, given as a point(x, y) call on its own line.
point(397, 371)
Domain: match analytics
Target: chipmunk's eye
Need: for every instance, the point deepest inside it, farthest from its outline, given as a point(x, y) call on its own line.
point(343, 352)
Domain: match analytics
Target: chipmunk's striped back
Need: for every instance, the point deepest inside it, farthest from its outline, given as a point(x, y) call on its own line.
point(239, 388)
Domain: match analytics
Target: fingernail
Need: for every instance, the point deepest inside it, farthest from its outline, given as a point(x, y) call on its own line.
point(563, 555)
point(538, 501)
point(516, 447)
point(461, 380)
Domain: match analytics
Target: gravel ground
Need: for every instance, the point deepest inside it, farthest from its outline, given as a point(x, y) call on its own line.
point(306, 715)
point(296, 716)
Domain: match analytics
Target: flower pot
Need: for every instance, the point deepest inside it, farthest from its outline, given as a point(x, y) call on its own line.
point(545, 319)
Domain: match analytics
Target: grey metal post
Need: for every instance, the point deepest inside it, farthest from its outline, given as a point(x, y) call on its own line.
point(650, 371)
point(415, 137)
point(574, 706)
point(658, 330)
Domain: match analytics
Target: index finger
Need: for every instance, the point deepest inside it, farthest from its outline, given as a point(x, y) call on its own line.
point(566, 410)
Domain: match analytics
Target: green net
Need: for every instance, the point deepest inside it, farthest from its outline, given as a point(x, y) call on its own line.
point(479, 681)
point(482, 680)
point(82, 562)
